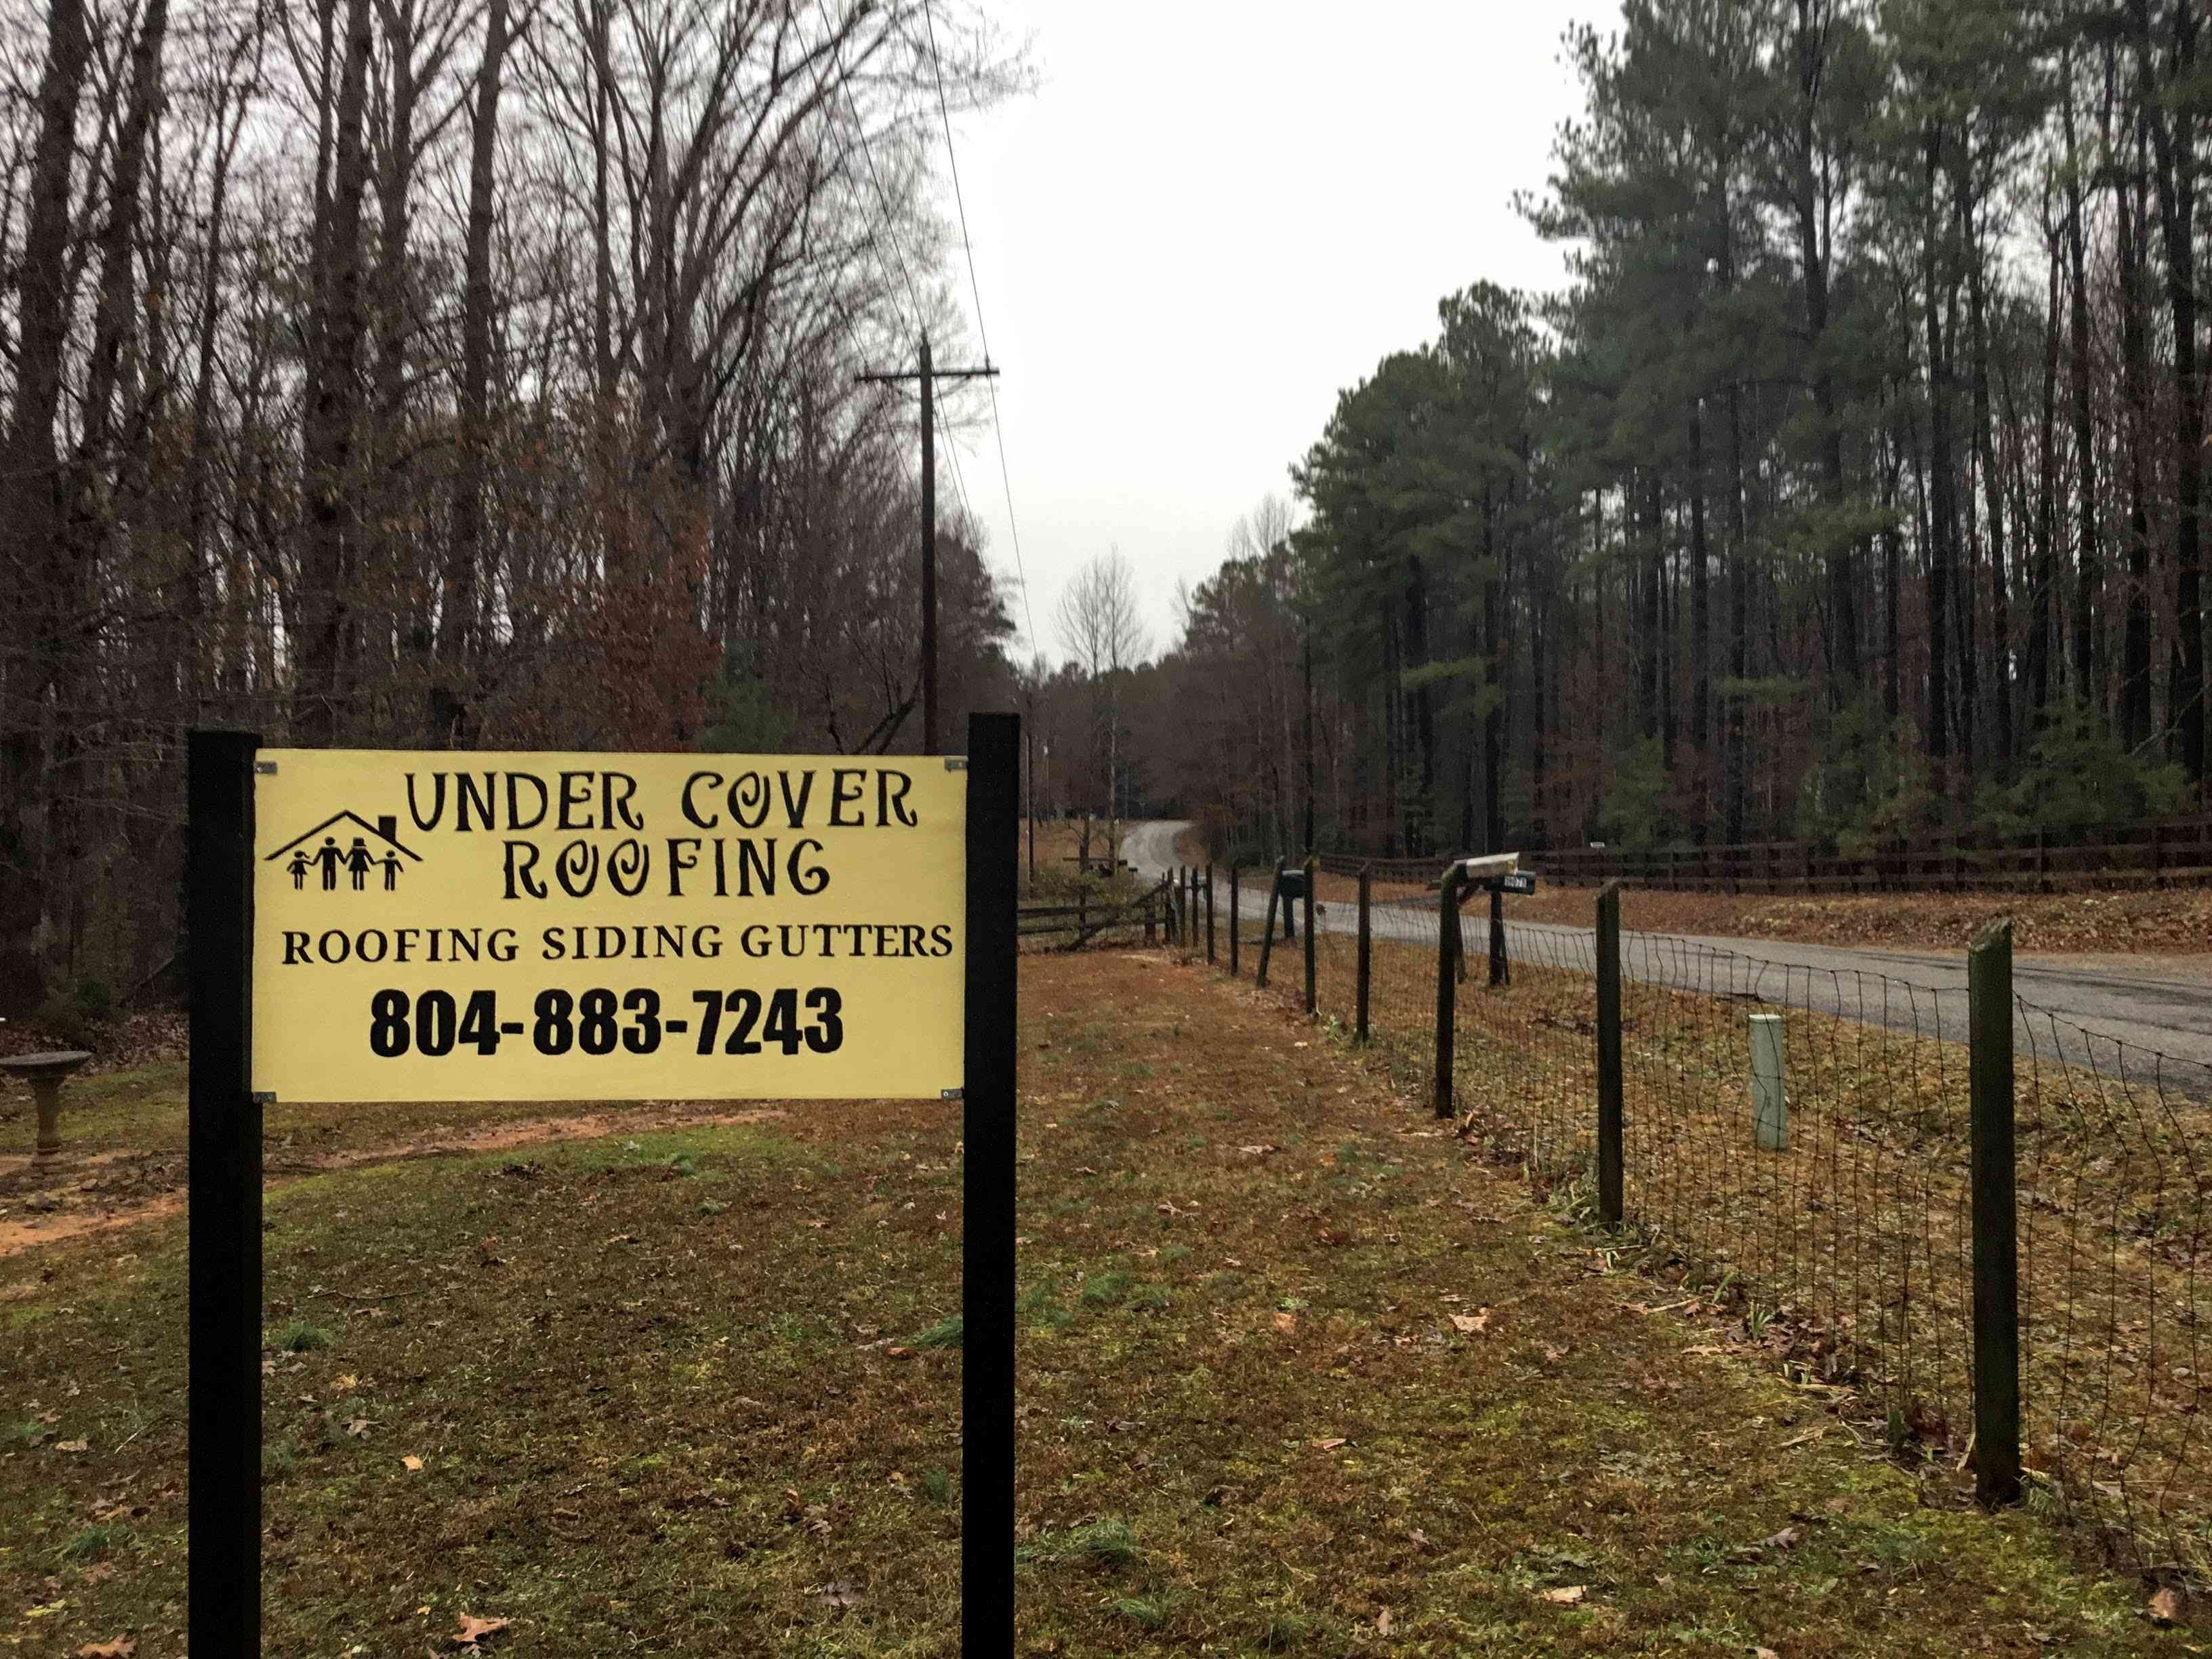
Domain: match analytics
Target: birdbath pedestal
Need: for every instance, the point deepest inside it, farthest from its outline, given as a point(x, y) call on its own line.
point(45, 1073)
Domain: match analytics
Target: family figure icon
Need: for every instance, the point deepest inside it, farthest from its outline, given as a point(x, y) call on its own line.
point(330, 858)
point(358, 860)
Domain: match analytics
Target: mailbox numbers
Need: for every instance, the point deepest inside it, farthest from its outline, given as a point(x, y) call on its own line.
point(603, 1022)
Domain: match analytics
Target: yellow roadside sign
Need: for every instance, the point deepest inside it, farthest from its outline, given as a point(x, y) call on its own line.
point(589, 926)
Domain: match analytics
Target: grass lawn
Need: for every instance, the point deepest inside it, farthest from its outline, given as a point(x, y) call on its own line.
point(1299, 1374)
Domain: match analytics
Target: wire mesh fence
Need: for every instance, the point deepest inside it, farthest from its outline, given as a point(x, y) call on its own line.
point(1838, 1221)
point(2113, 1224)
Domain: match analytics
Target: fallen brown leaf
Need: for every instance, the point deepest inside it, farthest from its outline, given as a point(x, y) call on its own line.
point(121, 1648)
point(1384, 1623)
point(1471, 1323)
point(1286, 1322)
point(1745, 1554)
point(1330, 1444)
point(474, 1629)
point(1567, 1595)
point(411, 1463)
point(2164, 1606)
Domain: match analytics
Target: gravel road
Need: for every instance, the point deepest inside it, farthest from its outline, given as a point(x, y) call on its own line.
point(2160, 1004)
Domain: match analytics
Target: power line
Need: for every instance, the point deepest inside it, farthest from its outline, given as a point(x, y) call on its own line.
point(944, 112)
point(867, 152)
point(875, 243)
point(983, 335)
point(959, 483)
point(928, 375)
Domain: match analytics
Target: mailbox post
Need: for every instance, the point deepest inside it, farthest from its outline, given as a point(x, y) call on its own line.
point(1290, 883)
point(1495, 874)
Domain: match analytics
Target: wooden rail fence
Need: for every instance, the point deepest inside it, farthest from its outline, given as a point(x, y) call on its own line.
point(2175, 852)
point(1085, 919)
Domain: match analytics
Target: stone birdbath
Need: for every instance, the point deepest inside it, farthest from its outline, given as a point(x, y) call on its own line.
point(45, 1073)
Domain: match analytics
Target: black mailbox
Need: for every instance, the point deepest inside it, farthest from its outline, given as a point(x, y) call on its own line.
point(1290, 881)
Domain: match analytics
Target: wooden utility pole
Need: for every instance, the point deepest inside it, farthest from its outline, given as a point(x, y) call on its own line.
point(928, 377)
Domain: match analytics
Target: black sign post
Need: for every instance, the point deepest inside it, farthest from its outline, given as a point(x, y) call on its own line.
point(986, 1247)
point(223, 1211)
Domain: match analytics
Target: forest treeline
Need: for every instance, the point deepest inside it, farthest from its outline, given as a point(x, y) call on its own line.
point(454, 373)
point(1853, 487)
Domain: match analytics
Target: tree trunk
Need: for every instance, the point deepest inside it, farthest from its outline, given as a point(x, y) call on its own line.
point(1736, 759)
point(2170, 113)
point(1421, 813)
point(1701, 628)
point(457, 610)
point(1495, 638)
point(2041, 639)
point(1999, 654)
point(2134, 377)
point(2089, 574)
point(1812, 254)
point(1941, 521)
point(47, 606)
point(1651, 643)
point(334, 336)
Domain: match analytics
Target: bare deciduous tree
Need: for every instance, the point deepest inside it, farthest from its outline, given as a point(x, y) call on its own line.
point(1102, 627)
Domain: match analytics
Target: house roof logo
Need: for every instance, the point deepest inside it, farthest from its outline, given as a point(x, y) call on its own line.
point(373, 851)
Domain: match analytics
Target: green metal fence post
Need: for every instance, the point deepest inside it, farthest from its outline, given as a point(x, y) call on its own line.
point(1366, 950)
point(1267, 933)
point(1609, 1101)
point(1996, 1216)
point(1313, 873)
point(1447, 986)
point(1210, 956)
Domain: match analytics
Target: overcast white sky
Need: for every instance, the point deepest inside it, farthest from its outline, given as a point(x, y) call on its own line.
point(1211, 216)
